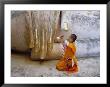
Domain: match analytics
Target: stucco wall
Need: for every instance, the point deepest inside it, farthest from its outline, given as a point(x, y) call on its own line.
point(18, 31)
point(86, 25)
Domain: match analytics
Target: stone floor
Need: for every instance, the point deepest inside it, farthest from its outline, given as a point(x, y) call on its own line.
point(23, 66)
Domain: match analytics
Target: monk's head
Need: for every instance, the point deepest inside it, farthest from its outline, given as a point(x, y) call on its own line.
point(72, 38)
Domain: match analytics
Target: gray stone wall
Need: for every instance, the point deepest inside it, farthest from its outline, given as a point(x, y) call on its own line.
point(18, 31)
point(86, 25)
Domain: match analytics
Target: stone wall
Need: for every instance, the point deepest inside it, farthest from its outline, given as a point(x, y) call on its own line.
point(86, 25)
point(18, 31)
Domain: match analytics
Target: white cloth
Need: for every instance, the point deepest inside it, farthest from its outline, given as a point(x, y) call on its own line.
point(66, 42)
point(72, 62)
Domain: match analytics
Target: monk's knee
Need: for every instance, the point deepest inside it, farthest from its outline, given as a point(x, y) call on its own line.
point(57, 67)
point(60, 68)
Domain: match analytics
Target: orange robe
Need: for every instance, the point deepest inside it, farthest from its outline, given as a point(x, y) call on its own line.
point(65, 63)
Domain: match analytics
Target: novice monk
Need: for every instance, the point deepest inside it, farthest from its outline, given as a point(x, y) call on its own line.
point(66, 63)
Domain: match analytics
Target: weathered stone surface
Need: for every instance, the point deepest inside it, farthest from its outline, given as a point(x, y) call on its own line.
point(18, 32)
point(56, 53)
point(88, 47)
point(86, 25)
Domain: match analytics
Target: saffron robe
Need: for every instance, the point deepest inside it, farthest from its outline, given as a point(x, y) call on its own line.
point(66, 63)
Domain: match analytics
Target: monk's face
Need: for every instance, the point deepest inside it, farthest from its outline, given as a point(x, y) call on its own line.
point(70, 39)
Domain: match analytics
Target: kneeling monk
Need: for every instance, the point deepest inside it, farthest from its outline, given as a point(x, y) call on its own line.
point(69, 60)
